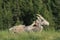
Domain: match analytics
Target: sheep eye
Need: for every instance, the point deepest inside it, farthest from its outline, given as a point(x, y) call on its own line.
point(42, 20)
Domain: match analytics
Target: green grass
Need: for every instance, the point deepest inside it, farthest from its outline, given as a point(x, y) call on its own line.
point(45, 35)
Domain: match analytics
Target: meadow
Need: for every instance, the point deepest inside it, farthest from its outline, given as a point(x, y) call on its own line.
point(44, 35)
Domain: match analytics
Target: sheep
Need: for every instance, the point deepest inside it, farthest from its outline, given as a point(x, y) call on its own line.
point(35, 26)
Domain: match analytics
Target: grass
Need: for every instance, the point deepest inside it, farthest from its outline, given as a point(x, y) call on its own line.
point(45, 35)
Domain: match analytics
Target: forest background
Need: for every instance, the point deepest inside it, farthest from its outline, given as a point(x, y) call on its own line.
point(15, 12)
